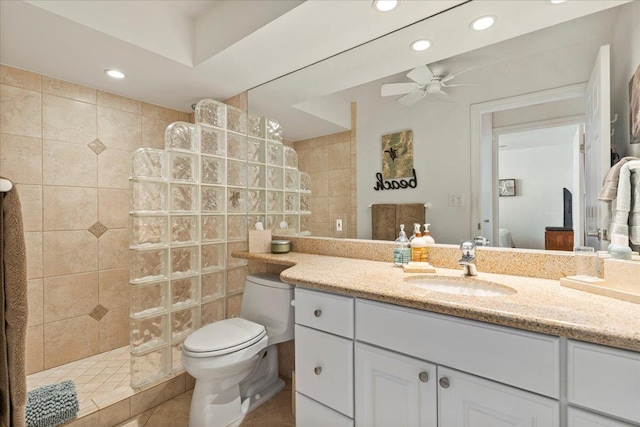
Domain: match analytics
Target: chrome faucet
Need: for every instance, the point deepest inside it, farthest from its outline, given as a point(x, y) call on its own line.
point(468, 260)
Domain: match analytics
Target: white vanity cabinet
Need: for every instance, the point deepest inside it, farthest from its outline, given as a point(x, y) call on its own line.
point(579, 418)
point(393, 389)
point(324, 334)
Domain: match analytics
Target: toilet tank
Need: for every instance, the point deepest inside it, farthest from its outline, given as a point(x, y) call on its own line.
point(267, 301)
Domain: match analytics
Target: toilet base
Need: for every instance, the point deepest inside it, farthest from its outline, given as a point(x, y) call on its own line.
point(209, 409)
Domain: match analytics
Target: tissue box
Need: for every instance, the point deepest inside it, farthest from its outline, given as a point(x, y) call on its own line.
point(260, 241)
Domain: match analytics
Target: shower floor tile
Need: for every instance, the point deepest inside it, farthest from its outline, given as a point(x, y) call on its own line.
point(97, 378)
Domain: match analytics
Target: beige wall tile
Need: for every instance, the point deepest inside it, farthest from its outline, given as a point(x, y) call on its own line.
point(320, 229)
point(69, 208)
point(70, 295)
point(234, 305)
point(319, 183)
point(33, 244)
point(67, 252)
point(154, 396)
point(21, 111)
point(68, 90)
point(69, 164)
point(113, 249)
point(31, 203)
point(118, 102)
point(114, 329)
point(89, 420)
point(20, 78)
point(119, 129)
point(319, 209)
point(114, 168)
point(303, 160)
point(34, 360)
point(319, 159)
point(174, 412)
point(70, 339)
point(190, 382)
point(68, 120)
point(339, 205)
point(158, 112)
point(339, 182)
point(153, 132)
point(36, 302)
point(212, 311)
point(114, 288)
point(115, 414)
point(340, 155)
point(21, 158)
point(113, 207)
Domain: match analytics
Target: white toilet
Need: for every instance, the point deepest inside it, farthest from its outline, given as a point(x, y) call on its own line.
point(235, 361)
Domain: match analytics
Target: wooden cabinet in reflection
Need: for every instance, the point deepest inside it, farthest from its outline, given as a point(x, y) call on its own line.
point(558, 238)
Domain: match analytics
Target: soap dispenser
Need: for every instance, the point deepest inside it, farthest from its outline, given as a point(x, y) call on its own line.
point(402, 254)
point(419, 247)
point(427, 235)
point(620, 247)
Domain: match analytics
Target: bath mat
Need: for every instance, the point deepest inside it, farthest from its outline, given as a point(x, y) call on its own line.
point(52, 405)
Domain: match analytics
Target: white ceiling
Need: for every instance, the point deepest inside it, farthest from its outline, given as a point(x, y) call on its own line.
point(533, 138)
point(177, 52)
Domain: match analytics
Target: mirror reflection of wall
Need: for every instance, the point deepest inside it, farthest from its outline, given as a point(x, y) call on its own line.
point(554, 57)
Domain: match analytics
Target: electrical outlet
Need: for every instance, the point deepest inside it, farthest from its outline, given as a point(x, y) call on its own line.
point(338, 224)
point(452, 200)
point(459, 202)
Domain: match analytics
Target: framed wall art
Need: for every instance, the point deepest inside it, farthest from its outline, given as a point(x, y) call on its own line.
point(634, 107)
point(506, 187)
point(397, 155)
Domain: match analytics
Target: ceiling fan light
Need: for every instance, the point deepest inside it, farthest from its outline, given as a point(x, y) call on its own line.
point(385, 5)
point(114, 73)
point(483, 23)
point(420, 45)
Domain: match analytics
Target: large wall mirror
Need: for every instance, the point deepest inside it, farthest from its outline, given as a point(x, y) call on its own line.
point(519, 89)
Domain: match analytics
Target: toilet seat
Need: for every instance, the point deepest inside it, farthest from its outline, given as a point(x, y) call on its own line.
point(223, 337)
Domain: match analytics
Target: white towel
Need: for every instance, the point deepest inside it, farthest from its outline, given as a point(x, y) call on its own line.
point(625, 208)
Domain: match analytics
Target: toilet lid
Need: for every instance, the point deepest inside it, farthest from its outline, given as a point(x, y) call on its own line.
point(225, 336)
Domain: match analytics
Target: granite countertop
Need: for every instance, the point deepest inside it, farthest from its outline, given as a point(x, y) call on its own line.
point(538, 305)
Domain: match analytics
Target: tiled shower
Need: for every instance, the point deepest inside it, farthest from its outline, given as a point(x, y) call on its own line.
point(192, 206)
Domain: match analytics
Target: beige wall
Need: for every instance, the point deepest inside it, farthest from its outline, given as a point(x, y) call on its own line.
point(330, 160)
point(75, 202)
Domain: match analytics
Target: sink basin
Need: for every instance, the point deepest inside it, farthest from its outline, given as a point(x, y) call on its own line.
point(470, 287)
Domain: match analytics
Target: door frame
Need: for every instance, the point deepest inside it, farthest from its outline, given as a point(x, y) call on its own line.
point(483, 149)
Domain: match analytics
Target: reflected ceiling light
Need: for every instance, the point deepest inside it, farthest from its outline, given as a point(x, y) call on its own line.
point(385, 5)
point(420, 45)
point(114, 73)
point(483, 23)
point(557, 1)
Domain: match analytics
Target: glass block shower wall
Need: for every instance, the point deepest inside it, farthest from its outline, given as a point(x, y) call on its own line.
point(192, 205)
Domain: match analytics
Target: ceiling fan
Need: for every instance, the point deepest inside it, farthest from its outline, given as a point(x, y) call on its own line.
point(425, 82)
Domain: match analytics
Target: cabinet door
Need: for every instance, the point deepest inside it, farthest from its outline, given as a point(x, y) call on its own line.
point(580, 418)
point(468, 401)
point(394, 390)
point(310, 413)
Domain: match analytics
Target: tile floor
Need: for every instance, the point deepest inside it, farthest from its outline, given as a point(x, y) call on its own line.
point(175, 413)
point(98, 378)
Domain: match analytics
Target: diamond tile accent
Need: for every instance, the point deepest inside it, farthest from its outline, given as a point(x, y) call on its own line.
point(98, 312)
point(97, 146)
point(97, 229)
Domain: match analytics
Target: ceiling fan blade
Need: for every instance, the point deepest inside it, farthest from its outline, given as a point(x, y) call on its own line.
point(389, 89)
point(458, 84)
point(421, 74)
point(411, 98)
point(443, 96)
point(451, 76)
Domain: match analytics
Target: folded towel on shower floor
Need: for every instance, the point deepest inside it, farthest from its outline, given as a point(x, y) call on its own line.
point(52, 405)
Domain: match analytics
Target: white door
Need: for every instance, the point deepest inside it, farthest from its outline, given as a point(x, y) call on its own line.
point(597, 149)
point(468, 401)
point(393, 390)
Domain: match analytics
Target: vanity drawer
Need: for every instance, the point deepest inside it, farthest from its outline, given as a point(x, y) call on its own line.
point(324, 368)
point(310, 413)
point(604, 379)
point(580, 418)
point(494, 352)
point(327, 312)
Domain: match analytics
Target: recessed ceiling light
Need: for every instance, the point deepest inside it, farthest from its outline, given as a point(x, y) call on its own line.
point(385, 5)
point(114, 73)
point(420, 45)
point(557, 1)
point(483, 23)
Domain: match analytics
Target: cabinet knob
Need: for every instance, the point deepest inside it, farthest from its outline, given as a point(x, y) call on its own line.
point(424, 377)
point(317, 370)
point(444, 382)
point(317, 313)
